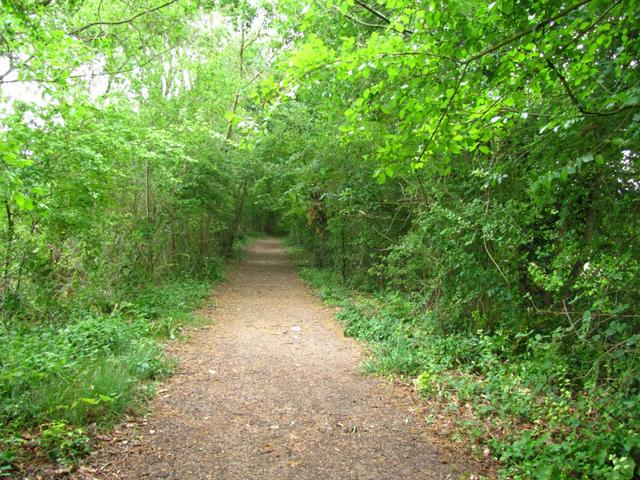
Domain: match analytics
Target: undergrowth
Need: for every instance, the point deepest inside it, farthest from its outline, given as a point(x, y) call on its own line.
point(61, 382)
point(542, 412)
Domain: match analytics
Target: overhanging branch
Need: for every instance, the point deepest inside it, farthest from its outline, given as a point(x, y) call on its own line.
point(122, 22)
point(524, 33)
point(380, 15)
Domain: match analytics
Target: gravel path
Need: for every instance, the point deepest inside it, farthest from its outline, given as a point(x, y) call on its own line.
point(272, 390)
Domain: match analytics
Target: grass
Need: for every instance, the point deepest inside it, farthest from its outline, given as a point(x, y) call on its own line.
point(61, 383)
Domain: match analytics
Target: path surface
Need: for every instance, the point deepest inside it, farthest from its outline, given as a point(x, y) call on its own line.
point(272, 390)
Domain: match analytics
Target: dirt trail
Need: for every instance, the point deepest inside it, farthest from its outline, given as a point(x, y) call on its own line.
point(272, 390)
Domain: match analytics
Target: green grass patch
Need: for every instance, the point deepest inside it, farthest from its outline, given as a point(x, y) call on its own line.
point(61, 382)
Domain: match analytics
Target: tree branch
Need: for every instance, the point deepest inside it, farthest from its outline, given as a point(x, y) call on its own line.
point(574, 99)
point(100, 74)
point(122, 22)
point(524, 33)
point(444, 112)
point(360, 22)
point(595, 22)
point(381, 16)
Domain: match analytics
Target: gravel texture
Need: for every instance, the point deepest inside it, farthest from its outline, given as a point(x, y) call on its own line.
point(271, 389)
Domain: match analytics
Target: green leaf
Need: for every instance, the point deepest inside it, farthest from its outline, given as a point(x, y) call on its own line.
point(588, 157)
point(23, 202)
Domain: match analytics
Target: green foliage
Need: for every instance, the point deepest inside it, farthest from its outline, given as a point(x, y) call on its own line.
point(471, 167)
point(90, 369)
point(119, 174)
point(543, 405)
point(63, 443)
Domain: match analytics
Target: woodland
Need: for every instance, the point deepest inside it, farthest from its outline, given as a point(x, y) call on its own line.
point(461, 178)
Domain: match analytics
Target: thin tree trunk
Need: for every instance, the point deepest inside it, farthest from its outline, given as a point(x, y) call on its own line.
point(9, 247)
point(150, 259)
point(236, 100)
point(235, 226)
